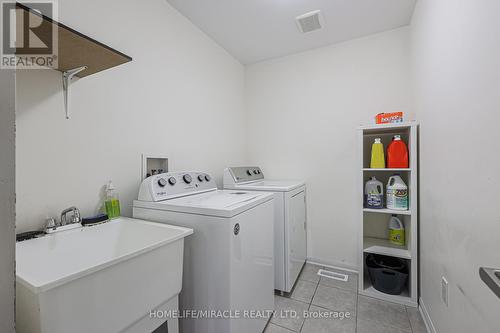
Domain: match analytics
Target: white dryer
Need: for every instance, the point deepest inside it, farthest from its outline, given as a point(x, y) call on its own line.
point(290, 235)
point(228, 280)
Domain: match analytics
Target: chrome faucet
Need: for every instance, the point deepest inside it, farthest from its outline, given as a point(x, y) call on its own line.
point(75, 218)
point(67, 221)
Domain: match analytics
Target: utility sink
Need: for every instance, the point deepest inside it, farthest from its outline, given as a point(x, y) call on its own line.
point(103, 278)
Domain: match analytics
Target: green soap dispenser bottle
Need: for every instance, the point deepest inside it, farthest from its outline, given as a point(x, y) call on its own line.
point(112, 201)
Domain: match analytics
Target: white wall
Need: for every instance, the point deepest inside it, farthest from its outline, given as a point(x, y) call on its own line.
point(182, 95)
point(7, 199)
point(456, 52)
point(303, 111)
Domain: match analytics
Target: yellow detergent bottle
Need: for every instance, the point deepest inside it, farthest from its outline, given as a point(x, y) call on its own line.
point(396, 231)
point(378, 157)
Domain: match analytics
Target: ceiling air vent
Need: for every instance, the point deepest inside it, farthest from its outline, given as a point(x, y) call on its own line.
point(310, 21)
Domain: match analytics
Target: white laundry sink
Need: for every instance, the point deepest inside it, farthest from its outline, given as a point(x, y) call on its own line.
point(104, 278)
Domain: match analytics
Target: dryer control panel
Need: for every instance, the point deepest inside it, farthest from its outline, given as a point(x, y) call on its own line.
point(175, 184)
point(238, 175)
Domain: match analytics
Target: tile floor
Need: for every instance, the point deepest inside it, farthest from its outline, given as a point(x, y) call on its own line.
point(322, 296)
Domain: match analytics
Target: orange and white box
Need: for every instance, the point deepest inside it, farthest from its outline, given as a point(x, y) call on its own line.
point(387, 118)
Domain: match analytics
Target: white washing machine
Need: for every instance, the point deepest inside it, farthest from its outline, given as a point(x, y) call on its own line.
point(228, 261)
point(290, 235)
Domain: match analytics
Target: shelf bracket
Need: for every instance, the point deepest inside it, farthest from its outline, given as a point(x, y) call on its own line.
point(66, 78)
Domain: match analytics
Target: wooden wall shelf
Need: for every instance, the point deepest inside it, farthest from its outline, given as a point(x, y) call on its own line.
point(76, 49)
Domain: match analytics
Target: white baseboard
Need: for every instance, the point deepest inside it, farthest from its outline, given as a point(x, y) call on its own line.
point(335, 265)
point(427, 318)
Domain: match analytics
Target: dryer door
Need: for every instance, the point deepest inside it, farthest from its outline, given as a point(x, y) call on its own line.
point(252, 271)
point(297, 246)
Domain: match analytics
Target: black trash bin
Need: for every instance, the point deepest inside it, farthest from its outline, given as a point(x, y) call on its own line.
point(387, 274)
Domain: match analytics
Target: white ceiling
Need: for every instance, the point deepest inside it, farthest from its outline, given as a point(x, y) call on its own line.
point(254, 30)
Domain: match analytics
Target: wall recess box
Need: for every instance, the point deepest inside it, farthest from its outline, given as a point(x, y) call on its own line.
point(153, 164)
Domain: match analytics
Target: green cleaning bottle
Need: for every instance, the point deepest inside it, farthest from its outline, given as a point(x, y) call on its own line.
point(112, 202)
point(378, 156)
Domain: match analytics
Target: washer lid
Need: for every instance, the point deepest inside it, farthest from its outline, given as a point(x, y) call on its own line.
point(220, 203)
point(268, 185)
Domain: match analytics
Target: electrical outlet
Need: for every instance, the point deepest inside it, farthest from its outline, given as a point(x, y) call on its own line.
point(444, 290)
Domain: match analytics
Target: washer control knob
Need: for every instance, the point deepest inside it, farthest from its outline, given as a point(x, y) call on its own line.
point(249, 172)
point(162, 182)
point(255, 172)
point(208, 178)
point(201, 178)
point(187, 178)
point(172, 181)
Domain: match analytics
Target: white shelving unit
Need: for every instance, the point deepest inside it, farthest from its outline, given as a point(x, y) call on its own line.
point(374, 222)
point(383, 246)
point(387, 211)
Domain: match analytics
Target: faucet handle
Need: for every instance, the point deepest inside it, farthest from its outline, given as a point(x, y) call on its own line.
point(50, 223)
point(77, 218)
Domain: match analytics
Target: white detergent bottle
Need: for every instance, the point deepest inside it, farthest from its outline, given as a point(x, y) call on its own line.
point(396, 231)
point(397, 194)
